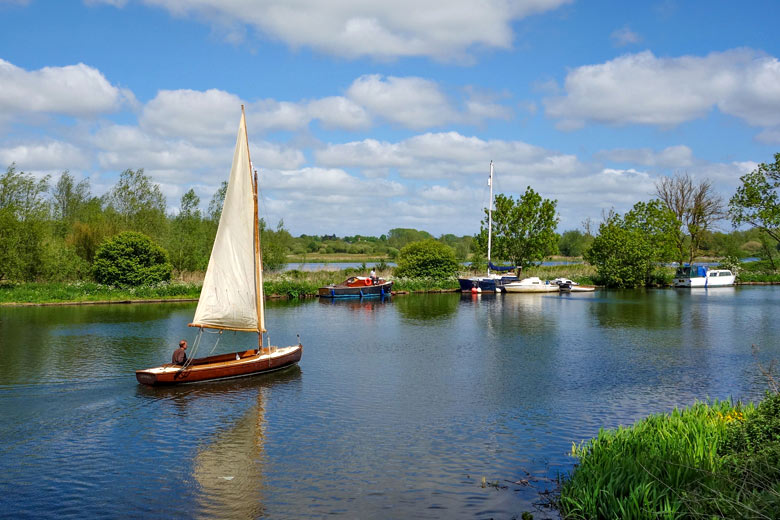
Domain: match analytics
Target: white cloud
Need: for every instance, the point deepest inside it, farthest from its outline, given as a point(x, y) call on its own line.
point(679, 156)
point(51, 155)
point(339, 112)
point(412, 102)
point(644, 89)
point(624, 36)
point(354, 28)
point(74, 90)
point(769, 136)
point(199, 115)
point(449, 155)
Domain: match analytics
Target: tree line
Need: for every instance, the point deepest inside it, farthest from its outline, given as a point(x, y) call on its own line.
point(52, 232)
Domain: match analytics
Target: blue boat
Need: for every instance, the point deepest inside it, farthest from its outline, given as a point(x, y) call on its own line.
point(492, 282)
point(357, 287)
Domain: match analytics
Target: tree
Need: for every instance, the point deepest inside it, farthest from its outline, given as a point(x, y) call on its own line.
point(427, 259)
point(69, 198)
point(23, 214)
point(131, 259)
point(138, 202)
point(274, 245)
point(188, 247)
point(629, 248)
point(573, 242)
point(399, 237)
point(523, 230)
point(757, 201)
point(695, 205)
point(217, 201)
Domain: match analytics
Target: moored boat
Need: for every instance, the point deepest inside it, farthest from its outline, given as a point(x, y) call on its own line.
point(567, 285)
point(357, 287)
point(531, 285)
point(232, 293)
point(492, 282)
point(703, 276)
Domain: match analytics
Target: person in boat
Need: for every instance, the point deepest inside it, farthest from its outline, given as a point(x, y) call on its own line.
point(373, 276)
point(180, 354)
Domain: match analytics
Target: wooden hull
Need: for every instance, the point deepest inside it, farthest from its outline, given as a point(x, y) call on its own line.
point(343, 291)
point(223, 366)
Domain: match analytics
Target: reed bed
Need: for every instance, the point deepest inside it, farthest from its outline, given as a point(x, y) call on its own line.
point(715, 460)
point(91, 292)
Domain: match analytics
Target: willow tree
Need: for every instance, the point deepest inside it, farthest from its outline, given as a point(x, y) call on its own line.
point(523, 229)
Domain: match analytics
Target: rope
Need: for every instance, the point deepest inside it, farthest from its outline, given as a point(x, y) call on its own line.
point(217, 343)
point(195, 345)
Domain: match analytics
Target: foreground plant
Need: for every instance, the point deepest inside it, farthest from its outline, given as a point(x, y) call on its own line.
point(717, 460)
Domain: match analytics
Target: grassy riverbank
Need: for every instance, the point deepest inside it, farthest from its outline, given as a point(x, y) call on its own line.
point(716, 460)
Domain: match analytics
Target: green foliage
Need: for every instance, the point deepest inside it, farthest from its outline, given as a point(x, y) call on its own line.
point(645, 470)
point(427, 259)
point(60, 263)
point(91, 292)
point(709, 461)
point(131, 259)
point(523, 230)
point(23, 214)
point(138, 203)
point(628, 250)
point(757, 200)
point(574, 243)
point(274, 246)
point(190, 238)
point(217, 201)
point(400, 237)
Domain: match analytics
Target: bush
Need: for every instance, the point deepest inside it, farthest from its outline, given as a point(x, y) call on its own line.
point(427, 258)
point(131, 259)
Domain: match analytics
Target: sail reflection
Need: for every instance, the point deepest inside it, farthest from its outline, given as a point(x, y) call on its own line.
point(229, 470)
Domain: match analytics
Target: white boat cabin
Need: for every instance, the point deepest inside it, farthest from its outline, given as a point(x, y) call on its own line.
point(702, 276)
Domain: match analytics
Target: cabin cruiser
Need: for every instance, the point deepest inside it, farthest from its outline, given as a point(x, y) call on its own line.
point(703, 276)
point(531, 285)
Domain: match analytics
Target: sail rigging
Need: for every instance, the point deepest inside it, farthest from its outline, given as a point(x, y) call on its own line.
point(231, 297)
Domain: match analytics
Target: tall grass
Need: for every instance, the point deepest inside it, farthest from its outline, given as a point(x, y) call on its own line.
point(91, 291)
point(716, 460)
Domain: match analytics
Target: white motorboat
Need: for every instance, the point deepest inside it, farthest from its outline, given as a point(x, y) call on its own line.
point(567, 285)
point(703, 276)
point(531, 285)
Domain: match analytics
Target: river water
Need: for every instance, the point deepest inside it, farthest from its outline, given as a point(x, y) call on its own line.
point(397, 410)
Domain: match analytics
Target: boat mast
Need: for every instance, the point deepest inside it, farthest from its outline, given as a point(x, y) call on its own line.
point(490, 214)
point(258, 259)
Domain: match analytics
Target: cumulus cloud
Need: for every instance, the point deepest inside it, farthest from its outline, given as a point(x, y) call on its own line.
point(644, 89)
point(354, 28)
point(50, 155)
point(448, 155)
point(74, 90)
point(412, 102)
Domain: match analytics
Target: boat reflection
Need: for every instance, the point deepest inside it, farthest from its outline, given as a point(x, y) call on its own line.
point(228, 467)
point(358, 303)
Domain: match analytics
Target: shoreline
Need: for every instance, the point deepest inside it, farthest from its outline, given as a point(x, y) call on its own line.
point(269, 297)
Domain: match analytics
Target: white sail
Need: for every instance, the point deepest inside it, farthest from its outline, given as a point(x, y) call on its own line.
point(229, 298)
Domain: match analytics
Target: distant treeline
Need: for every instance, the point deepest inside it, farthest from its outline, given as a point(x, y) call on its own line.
point(51, 231)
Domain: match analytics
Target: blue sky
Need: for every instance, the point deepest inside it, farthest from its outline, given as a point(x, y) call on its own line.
point(365, 116)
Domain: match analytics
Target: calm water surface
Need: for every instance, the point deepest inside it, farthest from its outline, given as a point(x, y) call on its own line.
point(398, 408)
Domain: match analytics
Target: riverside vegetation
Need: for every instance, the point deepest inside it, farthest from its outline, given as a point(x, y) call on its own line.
point(53, 236)
point(711, 460)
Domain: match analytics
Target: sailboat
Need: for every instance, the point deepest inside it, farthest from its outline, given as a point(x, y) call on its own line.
point(493, 282)
point(232, 294)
